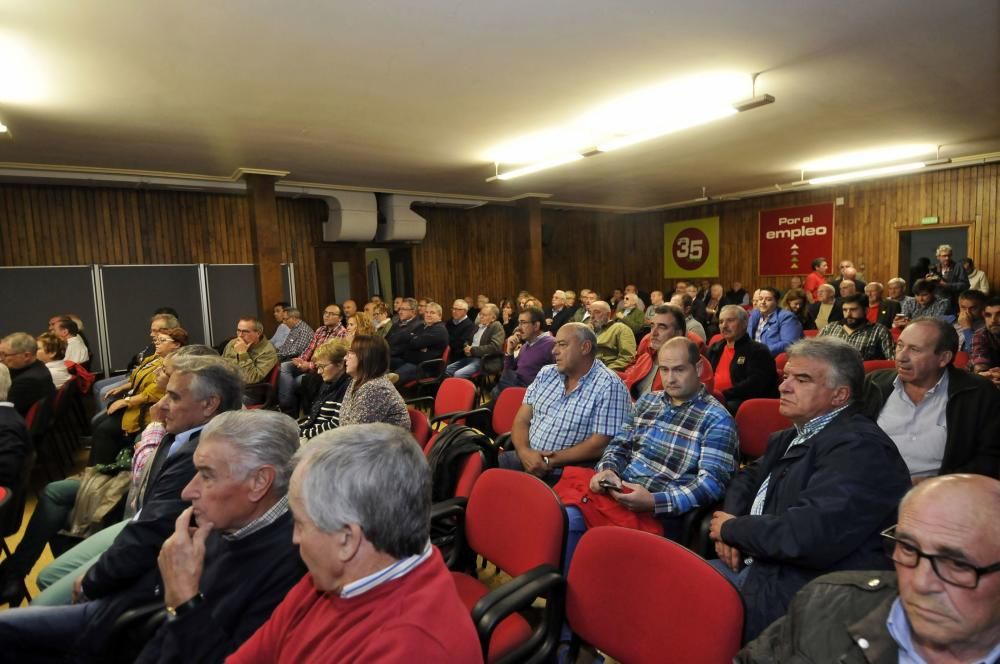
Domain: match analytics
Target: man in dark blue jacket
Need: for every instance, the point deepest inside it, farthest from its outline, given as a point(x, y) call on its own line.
point(818, 499)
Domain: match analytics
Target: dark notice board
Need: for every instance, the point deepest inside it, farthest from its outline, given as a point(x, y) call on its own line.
point(232, 294)
point(29, 296)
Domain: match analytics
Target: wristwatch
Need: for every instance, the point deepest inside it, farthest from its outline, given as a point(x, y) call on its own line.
point(182, 608)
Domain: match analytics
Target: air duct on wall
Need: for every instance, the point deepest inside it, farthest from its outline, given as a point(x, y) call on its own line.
point(352, 215)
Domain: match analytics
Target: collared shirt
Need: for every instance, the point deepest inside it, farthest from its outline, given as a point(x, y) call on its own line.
point(899, 629)
point(477, 338)
point(919, 430)
point(685, 455)
point(280, 334)
point(296, 342)
point(320, 337)
point(941, 306)
point(183, 437)
point(599, 404)
point(762, 325)
point(873, 340)
point(823, 314)
point(261, 522)
point(967, 334)
point(398, 569)
point(76, 350)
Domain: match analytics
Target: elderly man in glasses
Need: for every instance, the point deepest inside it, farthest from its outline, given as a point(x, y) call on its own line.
point(941, 605)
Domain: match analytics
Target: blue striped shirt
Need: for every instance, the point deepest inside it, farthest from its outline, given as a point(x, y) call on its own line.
point(600, 404)
point(684, 455)
point(401, 567)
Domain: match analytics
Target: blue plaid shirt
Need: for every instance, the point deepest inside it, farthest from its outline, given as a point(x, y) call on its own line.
point(599, 404)
point(684, 455)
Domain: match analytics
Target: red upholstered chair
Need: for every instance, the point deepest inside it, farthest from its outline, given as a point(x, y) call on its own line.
point(430, 374)
point(263, 395)
point(875, 365)
point(810, 333)
point(420, 428)
point(756, 420)
point(779, 364)
point(456, 396)
point(715, 339)
point(961, 360)
point(503, 412)
point(665, 604)
point(525, 540)
point(707, 375)
point(699, 341)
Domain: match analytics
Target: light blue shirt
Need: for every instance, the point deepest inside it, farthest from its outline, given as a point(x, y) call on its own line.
point(280, 335)
point(919, 430)
point(899, 629)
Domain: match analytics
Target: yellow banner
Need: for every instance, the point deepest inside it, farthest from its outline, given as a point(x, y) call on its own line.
point(691, 248)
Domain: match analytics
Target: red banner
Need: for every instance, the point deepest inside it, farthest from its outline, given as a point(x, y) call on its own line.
point(790, 238)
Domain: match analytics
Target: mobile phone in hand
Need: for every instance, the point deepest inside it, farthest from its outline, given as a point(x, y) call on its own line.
point(611, 484)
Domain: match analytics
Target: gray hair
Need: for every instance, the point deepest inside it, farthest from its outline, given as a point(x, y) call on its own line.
point(492, 308)
point(411, 303)
point(213, 377)
point(261, 438)
point(583, 333)
point(257, 325)
point(461, 304)
point(169, 321)
point(21, 342)
point(200, 350)
point(372, 475)
point(897, 281)
point(943, 249)
point(846, 367)
point(293, 312)
point(741, 313)
point(437, 307)
point(4, 381)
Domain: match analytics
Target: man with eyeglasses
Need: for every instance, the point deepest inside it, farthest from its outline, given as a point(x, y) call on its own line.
point(251, 351)
point(292, 371)
point(526, 351)
point(942, 604)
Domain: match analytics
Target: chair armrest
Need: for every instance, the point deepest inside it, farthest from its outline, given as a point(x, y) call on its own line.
point(423, 369)
point(459, 414)
point(450, 417)
point(519, 594)
point(133, 629)
point(449, 515)
point(414, 400)
point(501, 442)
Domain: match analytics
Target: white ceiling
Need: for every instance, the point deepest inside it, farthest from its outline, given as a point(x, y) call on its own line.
point(394, 95)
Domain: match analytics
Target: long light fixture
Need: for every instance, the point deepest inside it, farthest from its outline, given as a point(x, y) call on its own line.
point(870, 173)
point(641, 116)
point(3, 128)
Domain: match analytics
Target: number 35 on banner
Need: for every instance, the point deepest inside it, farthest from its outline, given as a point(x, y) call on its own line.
point(691, 248)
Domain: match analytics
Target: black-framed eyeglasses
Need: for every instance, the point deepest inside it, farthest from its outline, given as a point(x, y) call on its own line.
point(949, 570)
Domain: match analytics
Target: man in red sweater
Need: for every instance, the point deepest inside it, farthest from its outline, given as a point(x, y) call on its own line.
point(816, 278)
point(376, 591)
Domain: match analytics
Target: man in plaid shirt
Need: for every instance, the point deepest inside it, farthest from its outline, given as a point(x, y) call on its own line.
point(292, 371)
point(872, 340)
point(679, 449)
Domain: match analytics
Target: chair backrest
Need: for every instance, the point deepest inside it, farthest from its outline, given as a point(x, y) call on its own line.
point(780, 360)
point(810, 333)
point(961, 360)
point(756, 420)
point(468, 474)
point(706, 374)
point(638, 597)
point(13, 510)
point(454, 395)
point(505, 408)
point(875, 365)
point(272, 375)
point(38, 418)
point(527, 531)
point(715, 339)
point(698, 340)
point(420, 428)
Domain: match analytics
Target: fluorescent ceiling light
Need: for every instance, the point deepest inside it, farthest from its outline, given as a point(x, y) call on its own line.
point(3, 128)
point(870, 157)
point(869, 173)
point(538, 166)
point(21, 76)
point(640, 116)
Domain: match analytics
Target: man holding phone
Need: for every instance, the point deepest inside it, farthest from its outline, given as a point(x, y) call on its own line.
point(676, 452)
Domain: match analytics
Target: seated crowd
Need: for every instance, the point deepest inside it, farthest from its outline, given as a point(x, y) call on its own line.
point(268, 538)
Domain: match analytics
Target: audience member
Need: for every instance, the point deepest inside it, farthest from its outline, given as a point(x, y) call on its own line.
point(381, 319)
point(292, 370)
point(631, 313)
point(15, 441)
point(744, 369)
point(220, 577)
point(977, 278)
point(816, 278)
point(487, 340)
point(986, 343)
point(280, 312)
point(684, 303)
point(825, 310)
point(570, 411)
point(76, 350)
point(847, 288)
point(398, 337)
point(587, 297)
point(349, 308)
point(655, 299)
point(297, 338)
point(460, 329)
point(970, 318)
point(736, 295)
point(251, 351)
point(924, 304)
point(821, 494)
point(571, 299)
point(508, 317)
point(677, 452)
point(850, 273)
point(52, 351)
point(526, 351)
point(615, 340)
point(559, 313)
point(949, 278)
point(697, 304)
point(775, 328)
point(880, 310)
point(377, 590)
point(795, 301)
point(426, 342)
point(643, 376)
point(872, 340)
point(31, 381)
point(896, 290)
point(330, 360)
point(941, 611)
point(942, 419)
point(370, 396)
point(360, 322)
